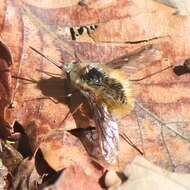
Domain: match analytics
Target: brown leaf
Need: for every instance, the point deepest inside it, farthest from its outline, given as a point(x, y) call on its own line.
point(5, 88)
point(38, 94)
point(26, 176)
point(61, 150)
point(3, 176)
point(11, 158)
point(5, 77)
point(163, 25)
point(11, 40)
point(159, 123)
point(97, 11)
point(75, 178)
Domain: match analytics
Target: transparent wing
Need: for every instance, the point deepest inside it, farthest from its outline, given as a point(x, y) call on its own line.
point(138, 59)
point(107, 129)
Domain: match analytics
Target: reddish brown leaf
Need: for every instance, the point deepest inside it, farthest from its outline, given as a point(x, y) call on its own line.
point(11, 35)
point(159, 123)
point(61, 150)
point(5, 88)
point(26, 176)
point(97, 11)
point(11, 158)
point(3, 176)
point(75, 178)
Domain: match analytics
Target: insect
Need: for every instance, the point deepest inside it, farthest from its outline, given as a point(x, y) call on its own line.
point(108, 85)
point(110, 96)
point(79, 30)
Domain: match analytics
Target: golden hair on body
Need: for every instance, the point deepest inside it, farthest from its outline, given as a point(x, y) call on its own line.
point(109, 85)
point(109, 94)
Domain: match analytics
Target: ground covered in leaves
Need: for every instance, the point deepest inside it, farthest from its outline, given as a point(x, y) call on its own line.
point(46, 142)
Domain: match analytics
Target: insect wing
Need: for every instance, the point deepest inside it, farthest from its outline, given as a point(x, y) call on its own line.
point(107, 130)
point(137, 59)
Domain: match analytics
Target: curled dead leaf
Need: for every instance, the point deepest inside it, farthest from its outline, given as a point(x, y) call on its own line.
point(75, 178)
point(5, 88)
point(26, 176)
point(5, 77)
point(3, 176)
point(11, 158)
point(61, 150)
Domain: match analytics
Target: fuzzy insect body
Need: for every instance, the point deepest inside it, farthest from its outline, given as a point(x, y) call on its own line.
point(109, 85)
point(109, 94)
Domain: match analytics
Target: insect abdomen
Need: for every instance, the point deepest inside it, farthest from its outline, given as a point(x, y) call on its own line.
point(109, 86)
point(115, 90)
point(123, 100)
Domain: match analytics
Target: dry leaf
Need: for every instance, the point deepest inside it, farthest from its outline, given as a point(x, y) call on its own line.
point(143, 175)
point(75, 178)
point(11, 158)
point(97, 12)
point(3, 176)
point(158, 125)
point(26, 176)
point(61, 150)
point(182, 6)
point(5, 88)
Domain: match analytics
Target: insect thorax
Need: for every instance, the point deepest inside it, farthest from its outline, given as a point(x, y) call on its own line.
point(108, 89)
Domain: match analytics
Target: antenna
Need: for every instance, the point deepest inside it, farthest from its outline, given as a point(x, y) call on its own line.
point(48, 58)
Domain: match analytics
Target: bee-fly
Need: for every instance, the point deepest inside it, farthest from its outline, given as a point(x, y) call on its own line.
point(109, 94)
point(110, 86)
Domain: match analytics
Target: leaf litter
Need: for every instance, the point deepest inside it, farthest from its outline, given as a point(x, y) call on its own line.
point(153, 126)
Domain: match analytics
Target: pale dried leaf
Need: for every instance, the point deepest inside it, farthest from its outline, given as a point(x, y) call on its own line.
point(143, 175)
point(182, 6)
